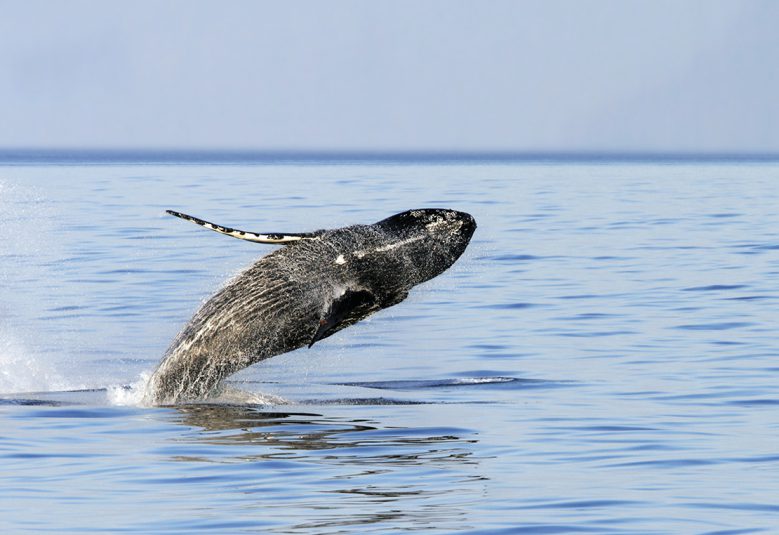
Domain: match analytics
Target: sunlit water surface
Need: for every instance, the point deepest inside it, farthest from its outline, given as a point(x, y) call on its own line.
point(603, 359)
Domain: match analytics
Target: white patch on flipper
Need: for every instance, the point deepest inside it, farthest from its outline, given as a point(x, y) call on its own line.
point(242, 234)
point(251, 236)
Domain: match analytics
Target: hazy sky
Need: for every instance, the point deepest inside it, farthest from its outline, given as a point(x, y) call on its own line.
point(404, 75)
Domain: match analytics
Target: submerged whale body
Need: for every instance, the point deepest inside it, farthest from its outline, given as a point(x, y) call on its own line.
point(314, 286)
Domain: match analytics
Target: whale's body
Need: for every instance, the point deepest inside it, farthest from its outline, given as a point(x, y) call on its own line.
point(316, 285)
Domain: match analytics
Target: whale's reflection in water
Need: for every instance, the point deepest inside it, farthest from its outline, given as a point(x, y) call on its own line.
point(291, 431)
point(296, 461)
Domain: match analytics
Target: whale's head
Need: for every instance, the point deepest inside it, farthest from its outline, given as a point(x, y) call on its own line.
point(431, 239)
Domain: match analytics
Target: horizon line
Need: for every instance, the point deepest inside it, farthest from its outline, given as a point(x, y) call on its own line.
point(249, 155)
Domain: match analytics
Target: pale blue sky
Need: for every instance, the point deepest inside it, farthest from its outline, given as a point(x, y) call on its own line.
point(397, 75)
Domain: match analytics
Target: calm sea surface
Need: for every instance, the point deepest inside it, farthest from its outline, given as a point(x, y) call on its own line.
point(603, 359)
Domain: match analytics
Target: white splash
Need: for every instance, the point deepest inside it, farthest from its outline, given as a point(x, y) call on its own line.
point(23, 368)
point(22, 372)
point(131, 395)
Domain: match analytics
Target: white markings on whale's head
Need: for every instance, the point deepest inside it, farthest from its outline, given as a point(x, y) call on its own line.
point(449, 227)
point(431, 239)
point(437, 222)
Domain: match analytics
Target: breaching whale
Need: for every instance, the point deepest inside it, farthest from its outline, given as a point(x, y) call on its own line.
point(317, 284)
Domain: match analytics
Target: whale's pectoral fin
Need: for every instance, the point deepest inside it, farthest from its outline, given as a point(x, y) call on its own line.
point(282, 239)
point(345, 310)
point(393, 299)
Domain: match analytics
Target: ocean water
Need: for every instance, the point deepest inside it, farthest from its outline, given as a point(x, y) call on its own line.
point(603, 359)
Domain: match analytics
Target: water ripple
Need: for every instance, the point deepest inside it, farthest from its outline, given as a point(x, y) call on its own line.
point(716, 288)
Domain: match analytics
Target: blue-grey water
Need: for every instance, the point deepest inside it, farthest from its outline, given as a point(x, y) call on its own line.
point(603, 359)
